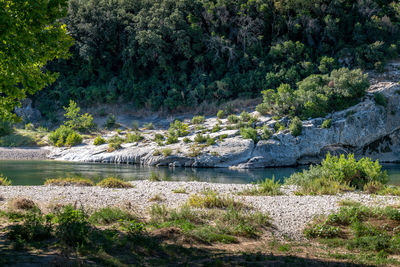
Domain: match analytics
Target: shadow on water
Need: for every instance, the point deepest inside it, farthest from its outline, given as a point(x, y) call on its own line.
point(36, 172)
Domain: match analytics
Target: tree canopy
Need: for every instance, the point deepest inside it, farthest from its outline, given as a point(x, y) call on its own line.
point(31, 35)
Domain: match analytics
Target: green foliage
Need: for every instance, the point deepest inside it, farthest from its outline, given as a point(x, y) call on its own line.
point(77, 121)
point(268, 187)
point(249, 133)
point(114, 143)
point(210, 199)
point(112, 182)
point(233, 119)
point(200, 138)
point(172, 138)
point(245, 116)
point(178, 128)
point(32, 35)
point(216, 128)
point(4, 181)
point(296, 127)
point(110, 122)
point(266, 133)
point(198, 120)
point(167, 152)
point(322, 230)
point(133, 138)
point(5, 128)
point(148, 126)
point(99, 141)
point(317, 95)
point(380, 99)
point(109, 215)
point(64, 136)
point(279, 127)
point(337, 174)
point(73, 226)
point(210, 141)
point(326, 124)
point(29, 127)
point(221, 114)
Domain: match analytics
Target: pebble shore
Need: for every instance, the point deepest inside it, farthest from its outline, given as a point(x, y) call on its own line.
point(289, 213)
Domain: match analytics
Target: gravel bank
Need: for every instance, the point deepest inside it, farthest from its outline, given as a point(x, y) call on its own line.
point(290, 213)
point(34, 153)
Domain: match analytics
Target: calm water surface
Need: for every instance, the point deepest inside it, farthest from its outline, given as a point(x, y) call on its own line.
point(36, 172)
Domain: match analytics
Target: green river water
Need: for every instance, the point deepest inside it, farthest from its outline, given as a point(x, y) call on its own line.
point(36, 172)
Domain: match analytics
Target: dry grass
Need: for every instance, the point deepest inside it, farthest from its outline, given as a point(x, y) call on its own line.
point(69, 182)
point(22, 204)
point(112, 182)
point(210, 199)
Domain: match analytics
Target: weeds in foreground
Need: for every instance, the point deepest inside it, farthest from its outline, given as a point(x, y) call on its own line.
point(109, 215)
point(210, 199)
point(112, 182)
point(360, 228)
point(268, 187)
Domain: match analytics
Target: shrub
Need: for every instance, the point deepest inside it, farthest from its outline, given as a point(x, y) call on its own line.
point(373, 187)
point(172, 138)
point(114, 143)
point(268, 187)
point(73, 226)
point(29, 126)
point(69, 181)
point(179, 128)
point(380, 99)
point(198, 119)
point(109, 215)
point(233, 119)
point(112, 182)
point(64, 136)
point(99, 141)
point(73, 139)
point(249, 133)
point(296, 127)
point(77, 121)
point(4, 181)
point(199, 138)
point(340, 173)
point(221, 114)
point(326, 124)
point(322, 230)
point(158, 137)
point(110, 122)
point(187, 140)
point(279, 127)
point(210, 199)
point(266, 133)
point(245, 116)
point(216, 128)
point(133, 138)
point(210, 141)
point(148, 126)
point(5, 128)
point(167, 152)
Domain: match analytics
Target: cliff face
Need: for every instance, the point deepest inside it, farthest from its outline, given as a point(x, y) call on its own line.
point(366, 129)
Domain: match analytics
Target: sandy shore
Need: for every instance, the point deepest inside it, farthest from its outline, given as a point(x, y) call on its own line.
point(28, 153)
point(289, 213)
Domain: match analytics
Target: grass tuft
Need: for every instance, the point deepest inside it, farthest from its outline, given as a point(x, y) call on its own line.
point(112, 182)
point(75, 181)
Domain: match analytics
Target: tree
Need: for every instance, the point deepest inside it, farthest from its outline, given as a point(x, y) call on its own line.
point(30, 36)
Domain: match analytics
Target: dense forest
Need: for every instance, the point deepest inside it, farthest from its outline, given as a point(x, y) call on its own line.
point(170, 54)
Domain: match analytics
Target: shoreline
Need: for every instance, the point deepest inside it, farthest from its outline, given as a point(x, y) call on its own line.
point(24, 153)
point(289, 213)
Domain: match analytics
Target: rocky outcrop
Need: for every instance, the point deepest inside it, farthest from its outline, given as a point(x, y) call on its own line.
point(27, 112)
point(366, 129)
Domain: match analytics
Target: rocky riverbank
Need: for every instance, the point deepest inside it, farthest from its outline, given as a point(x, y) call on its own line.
point(289, 213)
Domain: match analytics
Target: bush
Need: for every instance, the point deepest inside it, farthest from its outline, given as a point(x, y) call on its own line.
point(114, 143)
point(340, 173)
point(179, 128)
point(268, 187)
point(279, 127)
point(199, 138)
point(5, 128)
point(221, 114)
point(380, 99)
point(110, 122)
point(69, 181)
point(73, 226)
point(210, 141)
point(233, 119)
point(133, 138)
point(112, 182)
point(216, 128)
point(326, 124)
point(64, 136)
point(245, 116)
point(167, 152)
point(198, 119)
point(29, 127)
point(73, 139)
point(296, 127)
point(148, 126)
point(4, 181)
point(109, 215)
point(266, 133)
point(172, 138)
point(99, 141)
point(249, 133)
point(76, 121)
point(210, 199)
